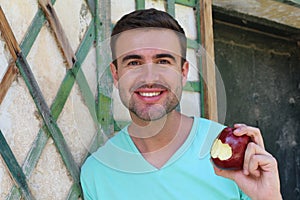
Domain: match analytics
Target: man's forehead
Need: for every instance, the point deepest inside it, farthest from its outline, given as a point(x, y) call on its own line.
point(147, 38)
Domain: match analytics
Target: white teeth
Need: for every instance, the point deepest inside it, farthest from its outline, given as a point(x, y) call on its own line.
point(149, 94)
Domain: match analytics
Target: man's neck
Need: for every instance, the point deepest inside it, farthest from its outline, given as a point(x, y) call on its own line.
point(159, 140)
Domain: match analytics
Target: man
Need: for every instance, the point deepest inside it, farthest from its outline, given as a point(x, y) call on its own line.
point(157, 155)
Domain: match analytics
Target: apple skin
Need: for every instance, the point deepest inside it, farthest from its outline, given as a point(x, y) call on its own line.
point(238, 146)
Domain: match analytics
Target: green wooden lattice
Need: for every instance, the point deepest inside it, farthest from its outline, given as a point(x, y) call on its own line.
point(100, 109)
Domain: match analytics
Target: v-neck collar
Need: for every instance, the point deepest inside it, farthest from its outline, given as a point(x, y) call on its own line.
point(179, 152)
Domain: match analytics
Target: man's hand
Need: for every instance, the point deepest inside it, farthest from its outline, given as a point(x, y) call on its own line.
point(259, 178)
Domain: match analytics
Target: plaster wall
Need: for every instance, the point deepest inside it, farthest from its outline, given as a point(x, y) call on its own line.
point(19, 119)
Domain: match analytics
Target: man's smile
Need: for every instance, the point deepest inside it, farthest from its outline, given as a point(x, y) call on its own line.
point(150, 94)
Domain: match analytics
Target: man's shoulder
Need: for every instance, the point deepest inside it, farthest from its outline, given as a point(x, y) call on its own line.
point(206, 131)
point(94, 158)
point(208, 125)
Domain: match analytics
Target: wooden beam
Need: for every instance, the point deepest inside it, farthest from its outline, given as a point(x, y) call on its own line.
point(14, 168)
point(14, 50)
point(7, 80)
point(208, 66)
point(56, 109)
point(48, 118)
point(140, 4)
point(59, 33)
point(8, 35)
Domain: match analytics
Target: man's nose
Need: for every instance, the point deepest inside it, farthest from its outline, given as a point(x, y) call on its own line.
point(150, 72)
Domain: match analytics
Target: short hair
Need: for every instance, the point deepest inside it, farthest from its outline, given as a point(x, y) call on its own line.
point(148, 18)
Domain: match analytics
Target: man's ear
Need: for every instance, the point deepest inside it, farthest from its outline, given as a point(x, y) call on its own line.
point(114, 73)
point(184, 72)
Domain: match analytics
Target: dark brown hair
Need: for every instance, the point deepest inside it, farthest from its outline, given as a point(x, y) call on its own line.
point(151, 18)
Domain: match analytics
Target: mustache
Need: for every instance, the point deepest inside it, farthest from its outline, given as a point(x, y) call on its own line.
point(143, 85)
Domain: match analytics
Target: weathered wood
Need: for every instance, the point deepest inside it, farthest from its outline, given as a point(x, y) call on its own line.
point(87, 94)
point(71, 75)
point(31, 160)
point(14, 168)
point(196, 45)
point(193, 44)
point(140, 4)
point(192, 86)
point(59, 33)
point(48, 119)
point(8, 35)
point(208, 67)
point(7, 80)
point(56, 108)
point(171, 7)
point(104, 79)
point(190, 3)
point(32, 32)
point(14, 50)
point(74, 193)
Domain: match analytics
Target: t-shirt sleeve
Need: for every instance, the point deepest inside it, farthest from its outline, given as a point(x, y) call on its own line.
point(85, 182)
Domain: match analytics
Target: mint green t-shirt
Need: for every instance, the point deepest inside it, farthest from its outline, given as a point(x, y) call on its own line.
point(118, 171)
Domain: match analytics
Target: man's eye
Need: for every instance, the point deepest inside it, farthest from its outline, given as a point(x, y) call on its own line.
point(164, 62)
point(133, 63)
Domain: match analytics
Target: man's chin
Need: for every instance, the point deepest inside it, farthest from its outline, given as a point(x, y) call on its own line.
point(154, 114)
point(148, 117)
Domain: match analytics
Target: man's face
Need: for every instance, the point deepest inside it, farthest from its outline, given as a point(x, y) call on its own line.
point(149, 73)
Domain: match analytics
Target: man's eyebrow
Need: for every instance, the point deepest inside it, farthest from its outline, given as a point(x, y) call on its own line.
point(165, 55)
point(131, 56)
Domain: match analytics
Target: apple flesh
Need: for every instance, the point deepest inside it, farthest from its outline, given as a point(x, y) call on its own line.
point(228, 150)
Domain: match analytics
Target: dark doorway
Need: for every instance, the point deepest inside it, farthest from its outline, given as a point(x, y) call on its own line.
point(260, 67)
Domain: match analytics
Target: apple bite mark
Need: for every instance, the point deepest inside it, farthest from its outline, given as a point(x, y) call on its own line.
point(228, 150)
point(220, 150)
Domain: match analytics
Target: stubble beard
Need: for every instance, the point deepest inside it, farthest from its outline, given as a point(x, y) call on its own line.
point(152, 112)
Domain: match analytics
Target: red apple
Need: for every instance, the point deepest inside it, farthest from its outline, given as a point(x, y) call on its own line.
point(228, 150)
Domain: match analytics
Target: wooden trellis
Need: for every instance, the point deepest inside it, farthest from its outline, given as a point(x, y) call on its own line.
point(99, 108)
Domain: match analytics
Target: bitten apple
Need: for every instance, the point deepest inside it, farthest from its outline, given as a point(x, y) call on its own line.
point(228, 150)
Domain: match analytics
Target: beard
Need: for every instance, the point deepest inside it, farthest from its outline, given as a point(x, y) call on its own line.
point(152, 112)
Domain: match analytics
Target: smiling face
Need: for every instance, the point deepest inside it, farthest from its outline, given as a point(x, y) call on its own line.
point(149, 72)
